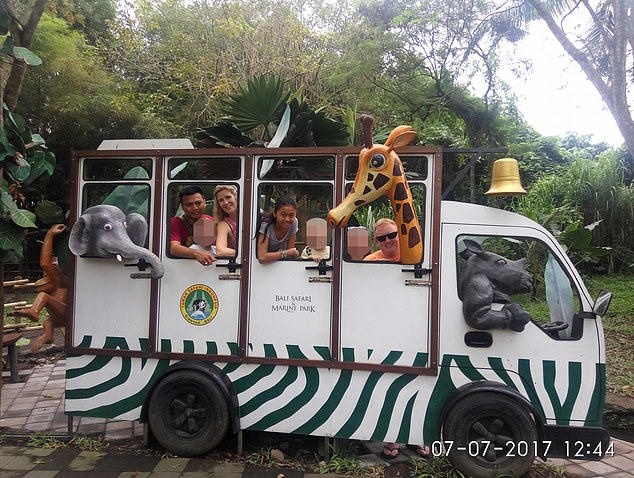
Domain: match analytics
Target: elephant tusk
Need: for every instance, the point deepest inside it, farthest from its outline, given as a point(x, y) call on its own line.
point(119, 257)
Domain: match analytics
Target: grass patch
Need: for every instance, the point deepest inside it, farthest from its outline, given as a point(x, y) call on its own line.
point(86, 443)
point(618, 327)
point(44, 441)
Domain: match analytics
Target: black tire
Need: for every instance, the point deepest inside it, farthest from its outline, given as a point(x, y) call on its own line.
point(188, 414)
point(492, 434)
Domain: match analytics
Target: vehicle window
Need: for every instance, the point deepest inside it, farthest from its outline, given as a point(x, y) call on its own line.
point(108, 169)
point(174, 209)
point(307, 167)
point(313, 202)
point(204, 168)
point(367, 216)
point(128, 197)
point(525, 278)
point(415, 166)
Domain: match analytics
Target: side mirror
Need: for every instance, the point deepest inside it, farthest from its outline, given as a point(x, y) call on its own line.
point(602, 303)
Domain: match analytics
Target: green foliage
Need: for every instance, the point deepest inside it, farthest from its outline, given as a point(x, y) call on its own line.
point(261, 458)
point(370, 213)
point(49, 213)
point(435, 467)
point(44, 441)
point(348, 465)
point(9, 48)
point(312, 127)
point(88, 16)
point(257, 105)
point(618, 327)
point(344, 460)
point(130, 198)
point(88, 443)
point(588, 198)
point(24, 159)
point(257, 108)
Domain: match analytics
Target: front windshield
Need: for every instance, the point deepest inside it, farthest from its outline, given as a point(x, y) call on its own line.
point(527, 277)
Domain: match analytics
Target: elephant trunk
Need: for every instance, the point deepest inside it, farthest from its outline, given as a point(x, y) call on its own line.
point(138, 252)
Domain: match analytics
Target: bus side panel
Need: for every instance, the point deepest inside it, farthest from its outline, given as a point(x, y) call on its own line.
point(101, 317)
point(342, 403)
point(109, 386)
point(315, 401)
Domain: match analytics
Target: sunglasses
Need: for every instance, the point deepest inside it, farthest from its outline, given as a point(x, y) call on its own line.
point(391, 235)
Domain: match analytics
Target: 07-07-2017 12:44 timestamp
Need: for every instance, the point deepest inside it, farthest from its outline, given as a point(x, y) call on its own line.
point(573, 449)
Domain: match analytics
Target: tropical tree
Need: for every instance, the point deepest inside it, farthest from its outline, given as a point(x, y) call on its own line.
point(23, 155)
point(264, 111)
point(90, 17)
point(603, 47)
point(17, 25)
point(186, 57)
point(77, 101)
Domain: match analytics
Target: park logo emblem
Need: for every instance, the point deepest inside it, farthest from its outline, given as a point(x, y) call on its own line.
point(199, 304)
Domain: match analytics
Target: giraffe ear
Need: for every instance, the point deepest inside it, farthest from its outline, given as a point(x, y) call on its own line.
point(401, 140)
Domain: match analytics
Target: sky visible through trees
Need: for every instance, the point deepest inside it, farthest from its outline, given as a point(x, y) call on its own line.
point(555, 96)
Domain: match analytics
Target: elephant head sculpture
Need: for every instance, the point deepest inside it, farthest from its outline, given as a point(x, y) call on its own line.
point(105, 231)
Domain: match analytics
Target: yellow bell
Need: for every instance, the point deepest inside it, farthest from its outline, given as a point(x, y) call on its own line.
point(505, 179)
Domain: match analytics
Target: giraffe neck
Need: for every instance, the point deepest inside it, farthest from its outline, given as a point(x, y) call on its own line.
point(409, 232)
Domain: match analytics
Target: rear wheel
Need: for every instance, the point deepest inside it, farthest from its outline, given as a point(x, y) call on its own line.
point(188, 413)
point(491, 435)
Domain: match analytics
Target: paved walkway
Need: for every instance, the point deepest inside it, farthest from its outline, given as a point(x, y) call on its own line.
point(36, 406)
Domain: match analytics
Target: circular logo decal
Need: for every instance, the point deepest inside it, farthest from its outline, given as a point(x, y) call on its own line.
point(199, 304)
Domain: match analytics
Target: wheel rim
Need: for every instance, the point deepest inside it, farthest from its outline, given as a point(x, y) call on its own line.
point(188, 414)
point(492, 434)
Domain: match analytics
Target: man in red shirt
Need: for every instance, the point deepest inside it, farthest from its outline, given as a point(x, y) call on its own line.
point(181, 227)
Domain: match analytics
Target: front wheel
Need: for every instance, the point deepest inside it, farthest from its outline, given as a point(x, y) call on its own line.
point(188, 414)
point(491, 435)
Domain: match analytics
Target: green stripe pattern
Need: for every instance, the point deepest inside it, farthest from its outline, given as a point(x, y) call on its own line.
point(357, 404)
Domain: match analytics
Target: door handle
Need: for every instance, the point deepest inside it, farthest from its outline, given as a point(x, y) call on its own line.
point(418, 271)
point(322, 268)
point(232, 265)
point(142, 265)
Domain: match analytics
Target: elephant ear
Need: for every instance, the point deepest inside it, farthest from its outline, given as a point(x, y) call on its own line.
point(79, 240)
point(137, 228)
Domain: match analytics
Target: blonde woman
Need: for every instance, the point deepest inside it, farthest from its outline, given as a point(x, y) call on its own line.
point(225, 214)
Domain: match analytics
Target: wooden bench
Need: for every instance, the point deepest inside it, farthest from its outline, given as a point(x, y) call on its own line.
point(8, 341)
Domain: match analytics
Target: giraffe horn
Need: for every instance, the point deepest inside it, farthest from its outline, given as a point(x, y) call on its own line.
point(367, 121)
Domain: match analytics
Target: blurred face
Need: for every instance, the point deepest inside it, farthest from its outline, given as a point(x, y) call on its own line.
point(285, 216)
point(317, 233)
point(226, 201)
point(386, 238)
point(193, 206)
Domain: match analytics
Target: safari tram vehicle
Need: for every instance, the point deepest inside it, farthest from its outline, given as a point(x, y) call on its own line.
point(482, 343)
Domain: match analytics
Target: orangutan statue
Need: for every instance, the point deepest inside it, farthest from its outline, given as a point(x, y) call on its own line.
point(51, 295)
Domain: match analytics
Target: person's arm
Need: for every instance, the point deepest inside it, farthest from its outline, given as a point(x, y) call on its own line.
point(292, 251)
point(221, 240)
point(265, 257)
point(204, 257)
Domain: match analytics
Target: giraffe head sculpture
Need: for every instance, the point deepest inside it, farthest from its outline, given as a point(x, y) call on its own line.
point(381, 173)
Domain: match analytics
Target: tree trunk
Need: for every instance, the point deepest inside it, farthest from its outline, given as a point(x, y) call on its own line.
point(23, 37)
